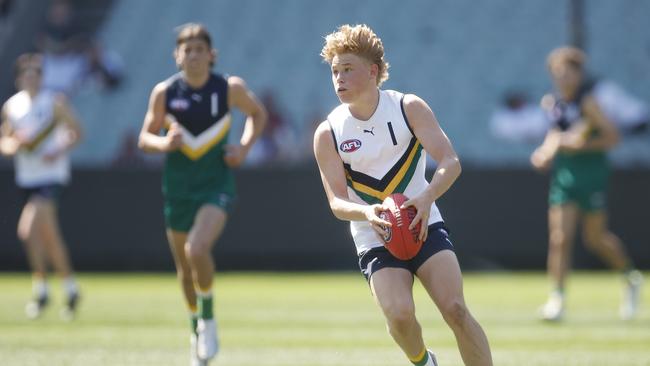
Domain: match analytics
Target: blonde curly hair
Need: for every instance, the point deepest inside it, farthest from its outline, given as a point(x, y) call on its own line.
point(359, 40)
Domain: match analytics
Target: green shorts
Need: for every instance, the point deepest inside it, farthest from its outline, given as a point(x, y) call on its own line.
point(588, 192)
point(181, 212)
point(580, 178)
point(588, 200)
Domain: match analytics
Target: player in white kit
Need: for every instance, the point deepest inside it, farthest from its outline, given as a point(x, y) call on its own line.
point(38, 129)
point(369, 147)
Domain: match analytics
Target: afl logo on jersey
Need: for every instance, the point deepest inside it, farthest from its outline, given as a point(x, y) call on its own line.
point(349, 146)
point(179, 104)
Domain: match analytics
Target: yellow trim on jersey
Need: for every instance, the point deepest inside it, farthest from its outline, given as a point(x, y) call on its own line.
point(192, 146)
point(194, 154)
point(393, 183)
point(41, 136)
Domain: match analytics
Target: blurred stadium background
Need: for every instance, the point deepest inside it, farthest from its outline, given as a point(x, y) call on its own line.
point(461, 56)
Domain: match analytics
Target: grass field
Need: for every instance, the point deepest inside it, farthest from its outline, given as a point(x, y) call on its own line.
point(288, 319)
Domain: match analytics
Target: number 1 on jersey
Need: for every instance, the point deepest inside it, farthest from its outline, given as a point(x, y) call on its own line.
point(214, 104)
point(392, 133)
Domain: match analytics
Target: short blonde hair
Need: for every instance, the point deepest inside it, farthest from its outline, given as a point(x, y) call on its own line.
point(359, 40)
point(568, 55)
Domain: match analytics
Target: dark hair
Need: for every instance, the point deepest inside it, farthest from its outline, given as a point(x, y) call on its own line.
point(24, 61)
point(190, 31)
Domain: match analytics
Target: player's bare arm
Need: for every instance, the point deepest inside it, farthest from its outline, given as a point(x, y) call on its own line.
point(436, 143)
point(154, 121)
point(9, 145)
point(608, 136)
point(543, 156)
point(333, 177)
point(240, 97)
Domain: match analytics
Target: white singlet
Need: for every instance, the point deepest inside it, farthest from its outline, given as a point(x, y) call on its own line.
point(381, 156)
point(34, 120)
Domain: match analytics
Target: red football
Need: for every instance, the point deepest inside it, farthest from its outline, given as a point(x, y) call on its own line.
point(399, 240)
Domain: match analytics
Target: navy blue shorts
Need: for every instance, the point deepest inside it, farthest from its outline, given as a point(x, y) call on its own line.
point(377, 258)
point(47, 191)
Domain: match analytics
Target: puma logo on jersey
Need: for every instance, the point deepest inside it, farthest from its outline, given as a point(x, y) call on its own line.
point(349, 146)
point(370, 131)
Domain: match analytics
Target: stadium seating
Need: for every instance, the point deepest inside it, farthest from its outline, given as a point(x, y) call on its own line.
point(458, 55)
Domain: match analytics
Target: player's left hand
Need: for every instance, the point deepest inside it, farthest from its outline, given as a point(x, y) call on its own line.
point(235, 155)
point(423, 206)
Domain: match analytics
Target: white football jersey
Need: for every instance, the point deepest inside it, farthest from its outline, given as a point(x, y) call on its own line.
point(381, 156)
point(34, 119)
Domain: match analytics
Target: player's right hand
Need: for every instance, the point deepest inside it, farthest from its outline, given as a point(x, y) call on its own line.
point(378, 224)
point(174, 137)
point(9, 146)
point(540, 160)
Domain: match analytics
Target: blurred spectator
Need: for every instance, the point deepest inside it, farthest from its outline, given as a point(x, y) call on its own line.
point(129, 156)
point(278, 142)
point(72, 57)
point(519, 120)
point(5, 11)
point(62, 44)
point(5, 8)
point(105, 67)
point(629, 114)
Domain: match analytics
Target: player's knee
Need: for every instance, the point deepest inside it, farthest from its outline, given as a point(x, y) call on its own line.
point(399, 316)
point(194, 251)
point(558, 239)
point(455, 312)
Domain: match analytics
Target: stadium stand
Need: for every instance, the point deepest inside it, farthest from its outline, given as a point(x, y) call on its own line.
point(458, 55)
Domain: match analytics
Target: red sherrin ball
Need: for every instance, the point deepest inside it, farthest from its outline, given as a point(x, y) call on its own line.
point(400, 241)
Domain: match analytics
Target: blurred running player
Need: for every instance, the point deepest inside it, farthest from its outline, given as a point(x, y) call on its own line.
point(38, 130)
point(575, 150)
point(193, 108)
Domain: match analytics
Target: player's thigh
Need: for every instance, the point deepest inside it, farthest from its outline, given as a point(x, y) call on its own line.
point(392, 289)
point(563, 221)
point(177, 240)
point(26, 221)
point(34, 216)
point(441, 277)
point(208, 225)
point(48, 221)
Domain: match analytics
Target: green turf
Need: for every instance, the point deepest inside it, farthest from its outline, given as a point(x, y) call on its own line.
point(321, 319)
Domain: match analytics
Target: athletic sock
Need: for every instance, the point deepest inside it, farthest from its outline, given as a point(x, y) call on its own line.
point(204, 301)
point(40, 288)
point(421, 359)
point(558, 292)
point(194, 320)
point(70, 286)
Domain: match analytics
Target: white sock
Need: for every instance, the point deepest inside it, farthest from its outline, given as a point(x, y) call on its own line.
point(70, 285)
point(201, 293)
point(40, 287)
